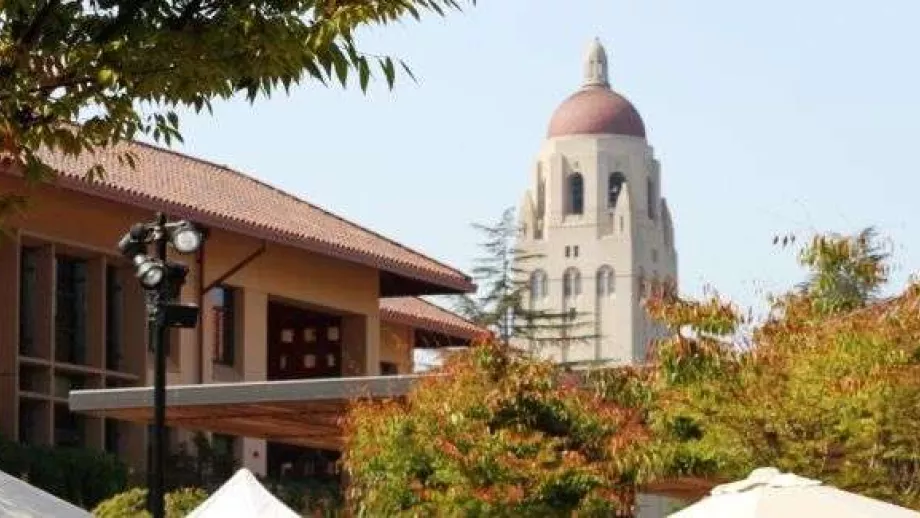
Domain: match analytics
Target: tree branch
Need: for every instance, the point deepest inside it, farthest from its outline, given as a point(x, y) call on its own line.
point(34, 30)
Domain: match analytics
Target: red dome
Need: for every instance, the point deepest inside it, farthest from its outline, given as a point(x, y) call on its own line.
point(596, 110)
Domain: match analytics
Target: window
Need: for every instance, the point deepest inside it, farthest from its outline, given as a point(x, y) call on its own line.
point(538, 284)
point(568, 251)
point(652, 197)
point(112, 441)
point(224, 304)
point(576, 194)
point(388, 369)
point(615, 183)
point(606, 281)
point(571, 283)
point(654, 255)
point(575, 251)
point(69, 430)
point(27, 284)
point(70, 310)
point(114, 306)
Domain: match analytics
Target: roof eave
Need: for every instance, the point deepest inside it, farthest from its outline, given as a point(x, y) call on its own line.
point(436, 284)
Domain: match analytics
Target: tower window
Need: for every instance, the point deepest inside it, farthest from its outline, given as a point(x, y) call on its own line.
point(575, 251)
point(576, 194)
point(652, 196)
point(568, 251)
point(538, 285)
point(615, 183)
point(605, 281)
point(571, 283)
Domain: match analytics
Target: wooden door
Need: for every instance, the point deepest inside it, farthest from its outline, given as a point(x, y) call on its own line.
point(303, 344)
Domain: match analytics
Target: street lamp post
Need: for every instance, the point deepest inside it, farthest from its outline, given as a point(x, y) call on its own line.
point(162, 281)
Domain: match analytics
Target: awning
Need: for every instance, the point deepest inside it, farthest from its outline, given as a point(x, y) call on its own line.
point(300, 412)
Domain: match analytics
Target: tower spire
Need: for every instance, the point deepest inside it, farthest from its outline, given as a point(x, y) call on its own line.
point(596, 65)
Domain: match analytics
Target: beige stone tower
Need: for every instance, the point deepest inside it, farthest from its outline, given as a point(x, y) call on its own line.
point(595, 215)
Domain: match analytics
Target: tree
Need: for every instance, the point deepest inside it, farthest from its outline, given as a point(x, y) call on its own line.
point(828, 388)
point(124, 67)
point(845, 272)
point(504, 289)
point(495, 434)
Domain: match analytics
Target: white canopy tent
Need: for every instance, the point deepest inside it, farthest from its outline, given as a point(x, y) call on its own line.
point(242, 497)
point(767, 493)
point(19, 499)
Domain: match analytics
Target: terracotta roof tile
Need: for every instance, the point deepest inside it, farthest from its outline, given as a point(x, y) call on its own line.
point(221, 197)
point(420, 313)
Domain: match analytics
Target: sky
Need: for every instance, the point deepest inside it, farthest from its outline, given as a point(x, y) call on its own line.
point(767, 117)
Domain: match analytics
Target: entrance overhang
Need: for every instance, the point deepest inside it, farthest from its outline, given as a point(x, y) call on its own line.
point(308, 412)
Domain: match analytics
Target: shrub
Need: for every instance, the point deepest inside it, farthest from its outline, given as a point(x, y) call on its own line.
point(133, 503)
point(82, 477)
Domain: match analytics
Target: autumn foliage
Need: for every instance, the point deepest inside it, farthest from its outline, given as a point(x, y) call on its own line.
point(828, 386)
point(494, 435)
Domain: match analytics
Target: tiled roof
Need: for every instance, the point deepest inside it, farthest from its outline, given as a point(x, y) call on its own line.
point(416, 312)
point(217, 196)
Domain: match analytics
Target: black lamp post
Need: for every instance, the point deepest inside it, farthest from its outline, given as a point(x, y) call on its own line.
point(162, 281)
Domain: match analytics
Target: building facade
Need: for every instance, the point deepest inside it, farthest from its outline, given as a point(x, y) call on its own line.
point(594, 225)
point(287, 291)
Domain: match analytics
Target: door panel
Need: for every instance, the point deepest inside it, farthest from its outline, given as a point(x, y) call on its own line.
point(303, 344)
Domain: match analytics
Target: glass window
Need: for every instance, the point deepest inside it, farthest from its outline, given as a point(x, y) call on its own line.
point(571, 283)
point(70, 310)
point(224, 304)
point(538, 284)
point(27, 299)
point(114, 318)
point(615, 183)
point(576, 194)
point(605, 281)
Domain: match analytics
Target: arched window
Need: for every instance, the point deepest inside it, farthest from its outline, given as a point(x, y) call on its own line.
point(576, 194)
point(615, 183)
point(652, 196)
point(606, 281)
point(538, 285)
point(571, 283)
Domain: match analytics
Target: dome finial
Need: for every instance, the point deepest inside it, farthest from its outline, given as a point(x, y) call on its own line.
point(596, 65)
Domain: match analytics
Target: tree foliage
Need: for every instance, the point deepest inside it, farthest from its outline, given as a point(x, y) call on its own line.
point(829, 387)
point(502, 303)
point(832, 395)
point(124, 67)
point(496, 434)
point(132, 504)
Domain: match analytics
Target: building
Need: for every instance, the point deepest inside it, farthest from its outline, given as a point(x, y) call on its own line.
point(597, 223)
point(287, 290)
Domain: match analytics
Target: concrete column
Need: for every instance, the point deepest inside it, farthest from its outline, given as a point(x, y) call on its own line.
point(253, 345)
point(252, 349)
point(361, 345)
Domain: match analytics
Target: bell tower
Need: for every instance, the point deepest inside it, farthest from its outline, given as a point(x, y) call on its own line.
point(596, 219)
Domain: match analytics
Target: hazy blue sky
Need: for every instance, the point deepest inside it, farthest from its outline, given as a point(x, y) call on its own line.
point(768, 117)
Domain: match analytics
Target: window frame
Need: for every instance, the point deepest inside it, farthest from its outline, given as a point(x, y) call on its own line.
point(575, 185)
point(619, 179)
point(225, 324)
